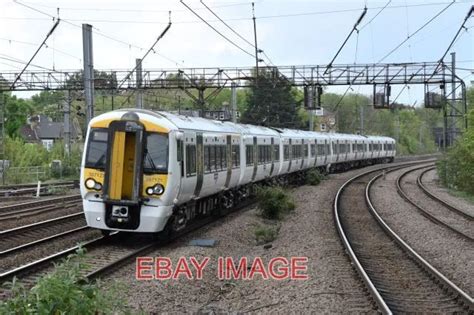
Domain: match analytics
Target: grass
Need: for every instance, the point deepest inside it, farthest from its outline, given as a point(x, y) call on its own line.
point(274, 202)
point(266, 234)
point(314, 177)
point(65, 291)
point(461, 194)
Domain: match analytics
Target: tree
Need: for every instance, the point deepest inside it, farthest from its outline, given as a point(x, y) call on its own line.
point(17, 111)
point(271, 101)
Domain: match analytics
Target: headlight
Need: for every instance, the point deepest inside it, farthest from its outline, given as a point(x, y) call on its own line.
point(158, 189)
point(92, 184)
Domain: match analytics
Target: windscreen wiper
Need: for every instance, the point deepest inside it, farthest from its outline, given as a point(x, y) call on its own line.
point(150, 160)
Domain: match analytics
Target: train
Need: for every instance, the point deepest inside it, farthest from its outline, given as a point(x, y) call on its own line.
point(155, 172)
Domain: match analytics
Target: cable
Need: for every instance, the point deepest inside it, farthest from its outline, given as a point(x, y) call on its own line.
point(97, 31)
point(138, 10)
point(223, 22)
point(354, 28)
point(12, 59)
point(240, 48)
point(146, 54)
point(36, 52)
point(419, 29)
point(242, 18)
point(46, 46)
point(383, 8)
point(471, 11)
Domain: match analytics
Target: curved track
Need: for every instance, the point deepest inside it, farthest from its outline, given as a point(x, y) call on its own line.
point(455, 221)
point(398, 278)
point(419, 182)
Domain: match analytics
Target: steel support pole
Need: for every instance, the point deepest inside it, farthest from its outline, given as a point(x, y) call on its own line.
point(67, 123)
point(233, 101)
point(452, 129)
point(88, 71)
point(139, 79)
point(2, 137)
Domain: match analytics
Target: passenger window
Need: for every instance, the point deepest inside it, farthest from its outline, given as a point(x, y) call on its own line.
point(249, 154)
point(276, 153)
point(190, 160)
point(235, 156)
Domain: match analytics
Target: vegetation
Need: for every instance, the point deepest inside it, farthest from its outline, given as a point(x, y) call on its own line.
point(314, 177)
point(456, 169)
point(65, 291)
point(31, 161)
point(274, 202)
point(272, 102)
point(266, 234)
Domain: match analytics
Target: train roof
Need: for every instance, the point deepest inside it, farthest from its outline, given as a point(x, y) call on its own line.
point(175, 122)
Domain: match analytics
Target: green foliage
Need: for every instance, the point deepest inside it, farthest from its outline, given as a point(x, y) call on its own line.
point(16, 113)
point(412, 128)
point(266, 234)
point(314, 177)
point(456, 168)
point(64, 291)
point(272, 102)
point(27, 155)
point(274, 202)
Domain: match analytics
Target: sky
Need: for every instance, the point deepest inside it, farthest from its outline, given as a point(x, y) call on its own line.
point(300, 32)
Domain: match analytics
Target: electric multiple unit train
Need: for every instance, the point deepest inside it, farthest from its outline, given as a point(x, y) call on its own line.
point(147, 171)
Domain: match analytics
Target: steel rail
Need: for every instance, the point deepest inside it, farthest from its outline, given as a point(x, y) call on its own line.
point(38, 210)
point(42, 240)
point(423, 211)
point(35, 264)
point(420, 184)
point(413, 254)
point(48, 201)
point(40, 224)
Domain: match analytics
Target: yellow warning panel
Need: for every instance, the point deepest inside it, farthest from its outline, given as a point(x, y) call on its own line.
point(128, 166)
point(117, 166)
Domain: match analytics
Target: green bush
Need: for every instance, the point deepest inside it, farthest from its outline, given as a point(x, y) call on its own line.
point(274, 202)
point(456, 168)
point(314, 177)
point(265, 234)
point(64, 291)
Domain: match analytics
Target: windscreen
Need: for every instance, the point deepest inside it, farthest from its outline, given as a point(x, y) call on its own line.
point(156, 153)
point(97, 149)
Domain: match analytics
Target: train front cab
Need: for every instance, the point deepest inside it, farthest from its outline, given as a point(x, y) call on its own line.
point(125, 175)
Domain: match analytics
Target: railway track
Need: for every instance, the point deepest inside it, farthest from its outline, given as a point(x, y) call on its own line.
point(397, 277)
point(30, 189)
point(40, 231)
point(26, 209)
point(104, 254)
point(419, 182)
point(449, 217)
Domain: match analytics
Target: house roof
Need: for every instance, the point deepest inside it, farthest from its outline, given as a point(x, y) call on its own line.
point(45, 128)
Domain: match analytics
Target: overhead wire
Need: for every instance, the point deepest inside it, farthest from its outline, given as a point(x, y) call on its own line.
point(375, 16)
point(140, 10)
point(13, 59)
point(227, 25)
point(242, 18)
point(46, 46)
point(217, 31)
point(416, 32)
point(96, 31)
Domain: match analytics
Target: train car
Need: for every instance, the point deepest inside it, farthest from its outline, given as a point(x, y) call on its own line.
point(147, 171)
